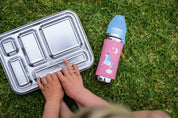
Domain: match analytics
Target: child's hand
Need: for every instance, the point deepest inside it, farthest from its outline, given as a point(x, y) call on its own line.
point(51, 88)
point(71, 82)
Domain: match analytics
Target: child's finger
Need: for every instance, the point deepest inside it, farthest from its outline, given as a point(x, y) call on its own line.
point(48, 77)
point(54, 76)
point(77, 72)
point(44, 82)
point(60, 76)
point(65, 71)
point(68, 66)
point(39, 83)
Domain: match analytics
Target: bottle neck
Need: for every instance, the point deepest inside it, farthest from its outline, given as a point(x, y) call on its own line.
point(114, 37)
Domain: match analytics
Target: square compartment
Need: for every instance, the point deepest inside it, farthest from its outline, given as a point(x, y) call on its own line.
point(9, 47)
point(60, 36)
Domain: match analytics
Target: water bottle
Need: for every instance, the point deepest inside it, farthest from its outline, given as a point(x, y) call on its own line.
point(112, 48)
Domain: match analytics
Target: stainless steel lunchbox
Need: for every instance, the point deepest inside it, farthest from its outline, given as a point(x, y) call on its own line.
point(38, 48)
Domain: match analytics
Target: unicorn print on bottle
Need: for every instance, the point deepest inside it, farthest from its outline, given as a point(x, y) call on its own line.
point(108, 62)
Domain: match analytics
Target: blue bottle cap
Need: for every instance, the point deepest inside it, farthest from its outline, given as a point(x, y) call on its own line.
point(117, 27)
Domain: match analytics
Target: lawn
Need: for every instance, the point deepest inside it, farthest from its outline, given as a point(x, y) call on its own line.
point(147, 76)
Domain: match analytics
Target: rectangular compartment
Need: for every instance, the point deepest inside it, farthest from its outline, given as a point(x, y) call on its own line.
point(32, 48)
point(77, 59)
point(19, 71)
point(59, 36)
point(9, 47)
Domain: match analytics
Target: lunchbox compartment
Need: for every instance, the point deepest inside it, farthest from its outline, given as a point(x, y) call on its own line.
point(19, 71)
point(9, 47)
point(31, 48)
point(59, 36)
point(77, 59)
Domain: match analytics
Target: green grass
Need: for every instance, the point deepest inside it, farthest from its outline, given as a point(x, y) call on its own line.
point(147, 76)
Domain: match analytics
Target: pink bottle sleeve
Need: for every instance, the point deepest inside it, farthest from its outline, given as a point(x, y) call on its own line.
point(109, 59)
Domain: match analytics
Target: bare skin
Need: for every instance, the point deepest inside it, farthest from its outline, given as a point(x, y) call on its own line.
point(150, 114)
point(53, 93)
point(54, 85)
point(65, 112)
point(73, 86)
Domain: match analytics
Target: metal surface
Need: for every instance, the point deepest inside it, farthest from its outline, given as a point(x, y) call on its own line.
point(19, 71)
point(39, 48)
point(30, 45)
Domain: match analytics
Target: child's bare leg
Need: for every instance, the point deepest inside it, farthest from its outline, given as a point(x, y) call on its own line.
point(79, 105)
point(150, 114)
point(65, 112)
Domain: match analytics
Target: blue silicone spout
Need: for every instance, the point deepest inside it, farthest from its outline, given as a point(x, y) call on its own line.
point(117, 27)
